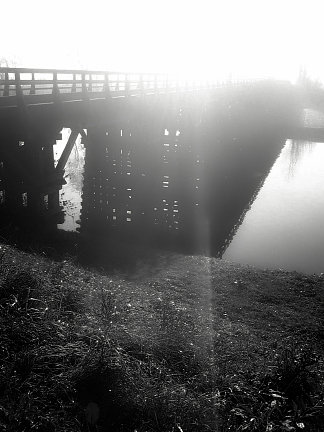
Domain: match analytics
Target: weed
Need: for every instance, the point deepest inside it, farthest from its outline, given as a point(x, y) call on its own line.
point(138, 354)
point(282, 401)
point(21, 290)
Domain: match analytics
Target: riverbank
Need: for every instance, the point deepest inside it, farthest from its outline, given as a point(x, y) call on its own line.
point(180, 343)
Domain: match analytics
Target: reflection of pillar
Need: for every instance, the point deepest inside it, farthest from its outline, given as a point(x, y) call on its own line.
point(140, 177)
point(107, 191)
point(52, 178)
point(112, 178)
point(94, 196)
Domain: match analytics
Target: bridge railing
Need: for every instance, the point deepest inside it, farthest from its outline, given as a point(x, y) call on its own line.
point(50, 85)
point(34, 82)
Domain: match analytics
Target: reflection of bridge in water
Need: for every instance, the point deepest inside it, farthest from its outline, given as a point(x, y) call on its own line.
point(168, 162)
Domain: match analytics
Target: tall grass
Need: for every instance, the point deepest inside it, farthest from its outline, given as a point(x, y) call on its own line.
point(139, 354)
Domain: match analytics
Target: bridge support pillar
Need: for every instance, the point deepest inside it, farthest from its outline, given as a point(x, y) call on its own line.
point(29, 186)
point(140, 179)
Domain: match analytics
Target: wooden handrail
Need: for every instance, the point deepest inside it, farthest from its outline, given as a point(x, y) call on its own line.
point(76, 71)
point(55, 84)
point(13, 82)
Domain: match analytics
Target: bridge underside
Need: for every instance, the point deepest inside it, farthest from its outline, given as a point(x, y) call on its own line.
point(177, 170)
point(180, 178)
point(30, 180)
point(29, 183)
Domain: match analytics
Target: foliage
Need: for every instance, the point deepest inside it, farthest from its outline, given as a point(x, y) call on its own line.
point(282, 401)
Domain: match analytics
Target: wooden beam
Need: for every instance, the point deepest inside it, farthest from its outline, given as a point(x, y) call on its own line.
point(67, 150)
point(76, 71)
point(83, 134)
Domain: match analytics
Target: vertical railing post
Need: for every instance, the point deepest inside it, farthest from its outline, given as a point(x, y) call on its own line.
point(127, 89)
point(117, 83)
point(84, 86)
point(90, 83)
point(55, 90)
point(20, 99)
point(19, 91)
point(6, 85)
point(73, 88)
point(106, 86)
point(32, 85)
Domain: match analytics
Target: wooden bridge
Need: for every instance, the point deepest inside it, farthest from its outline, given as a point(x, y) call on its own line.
point(35, 104)
point(46, 85)
point(151, 164)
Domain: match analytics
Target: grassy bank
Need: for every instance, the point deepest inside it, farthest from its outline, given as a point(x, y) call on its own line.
point(182, 343)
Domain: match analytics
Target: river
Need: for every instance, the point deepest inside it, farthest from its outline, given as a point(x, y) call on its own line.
point(284, 226)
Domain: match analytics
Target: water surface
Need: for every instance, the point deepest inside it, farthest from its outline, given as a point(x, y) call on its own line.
point(285, 226)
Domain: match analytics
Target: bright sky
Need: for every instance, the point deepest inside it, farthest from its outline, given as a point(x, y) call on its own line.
point(231, 37)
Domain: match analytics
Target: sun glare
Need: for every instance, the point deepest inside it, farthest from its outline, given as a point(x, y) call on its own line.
point(223, 39)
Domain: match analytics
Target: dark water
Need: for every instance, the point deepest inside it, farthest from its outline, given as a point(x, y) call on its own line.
point(280, 225)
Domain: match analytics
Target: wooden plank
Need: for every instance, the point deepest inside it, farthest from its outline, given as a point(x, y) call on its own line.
point(50, 81)
point(67, 151)
point(47, 98)
point(75, 71)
